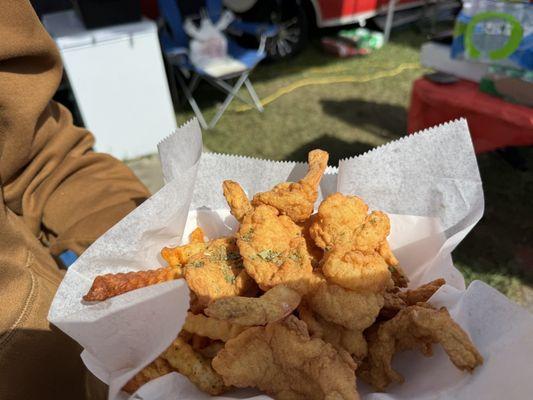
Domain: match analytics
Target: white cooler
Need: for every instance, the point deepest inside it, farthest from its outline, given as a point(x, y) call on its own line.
point(119, 82)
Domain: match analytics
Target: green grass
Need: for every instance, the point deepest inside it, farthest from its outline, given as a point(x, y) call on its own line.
point(499, 249)
point(350, 118)
point(347, 117)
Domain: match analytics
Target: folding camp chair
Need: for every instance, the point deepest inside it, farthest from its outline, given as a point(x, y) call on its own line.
point(175, 43)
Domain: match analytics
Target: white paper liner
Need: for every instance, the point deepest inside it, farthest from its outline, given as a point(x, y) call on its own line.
point(431, 178)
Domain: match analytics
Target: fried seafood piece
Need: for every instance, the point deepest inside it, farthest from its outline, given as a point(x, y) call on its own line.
point(347, 308)
point(154, 370)
point(282, 360)
point(237, 200)
point(297, 200)
point(217, 272)
point(398, 276)
point(315, 252)
point(194, 305)
point(110, 285)
point(273, 250)
point(396, 301)
point(197, 236)
point(180, 255)
point(212, 349)
point(422, 293)
point(393, 304)
point(355, 270)
point(180, 357)
point(336, 220)
point(372, 233)
point(415, 327)
point(211, 328)
point(183, 359)
point(385, 251)
point(272, 306)
point(352, 341)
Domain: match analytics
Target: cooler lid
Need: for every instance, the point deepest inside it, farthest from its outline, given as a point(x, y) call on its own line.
point(69, 32)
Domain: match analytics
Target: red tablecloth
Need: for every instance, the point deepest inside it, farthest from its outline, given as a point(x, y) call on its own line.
point(493, 123)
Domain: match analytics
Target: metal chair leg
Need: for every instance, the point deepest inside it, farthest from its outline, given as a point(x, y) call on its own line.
point(193, 84)
point(223, 86)
point(172, 82)
point(228, 100)
point(388, 20)
point(253, 95)
point(192, 102)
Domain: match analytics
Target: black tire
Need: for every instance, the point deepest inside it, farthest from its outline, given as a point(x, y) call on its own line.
point(290, 15)
point(293, 34)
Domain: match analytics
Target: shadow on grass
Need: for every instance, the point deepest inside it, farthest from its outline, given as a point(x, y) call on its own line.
point(499, 248)
point(386, 120)
point(337, 149)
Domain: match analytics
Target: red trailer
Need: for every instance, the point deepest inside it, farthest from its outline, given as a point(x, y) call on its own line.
point(342, 12)
point(295, 17)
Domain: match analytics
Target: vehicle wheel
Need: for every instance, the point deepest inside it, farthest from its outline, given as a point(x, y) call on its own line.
point(293, 32)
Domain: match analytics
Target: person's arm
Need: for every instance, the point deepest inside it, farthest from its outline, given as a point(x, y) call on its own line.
point(67, 194)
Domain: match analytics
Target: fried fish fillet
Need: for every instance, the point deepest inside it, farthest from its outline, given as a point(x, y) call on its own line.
point(110, 285)
point(272, 306)
point(283, 361)
point(154, 370)
point(273, 250)
point(422, 293)
point(415, 327)
point(211, 328)
point(398, 275)
point(297, 200)
point(217, 271)
point(393, 304)
point(350, 309)
point(180, 357)
point(396, 301)
point(352, 341)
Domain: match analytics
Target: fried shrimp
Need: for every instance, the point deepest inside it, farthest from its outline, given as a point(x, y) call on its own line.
point(297, 200)
point(337, 218)
point(273, 250)
point(237, 200)
point(217, 272)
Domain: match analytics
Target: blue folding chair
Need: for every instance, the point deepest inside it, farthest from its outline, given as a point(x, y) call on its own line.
point(175, 44)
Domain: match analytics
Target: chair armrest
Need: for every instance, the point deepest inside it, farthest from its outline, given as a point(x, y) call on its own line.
point(169, 46)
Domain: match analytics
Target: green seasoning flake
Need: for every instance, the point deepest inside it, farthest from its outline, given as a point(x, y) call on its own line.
point(268, 255)
point(248, 235)
point(230, 278)
point(271, 256)
point(217, 254)
point(297, 258)
point(197, 264)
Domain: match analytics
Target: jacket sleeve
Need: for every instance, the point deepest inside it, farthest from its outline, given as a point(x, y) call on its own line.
point(67, 194)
